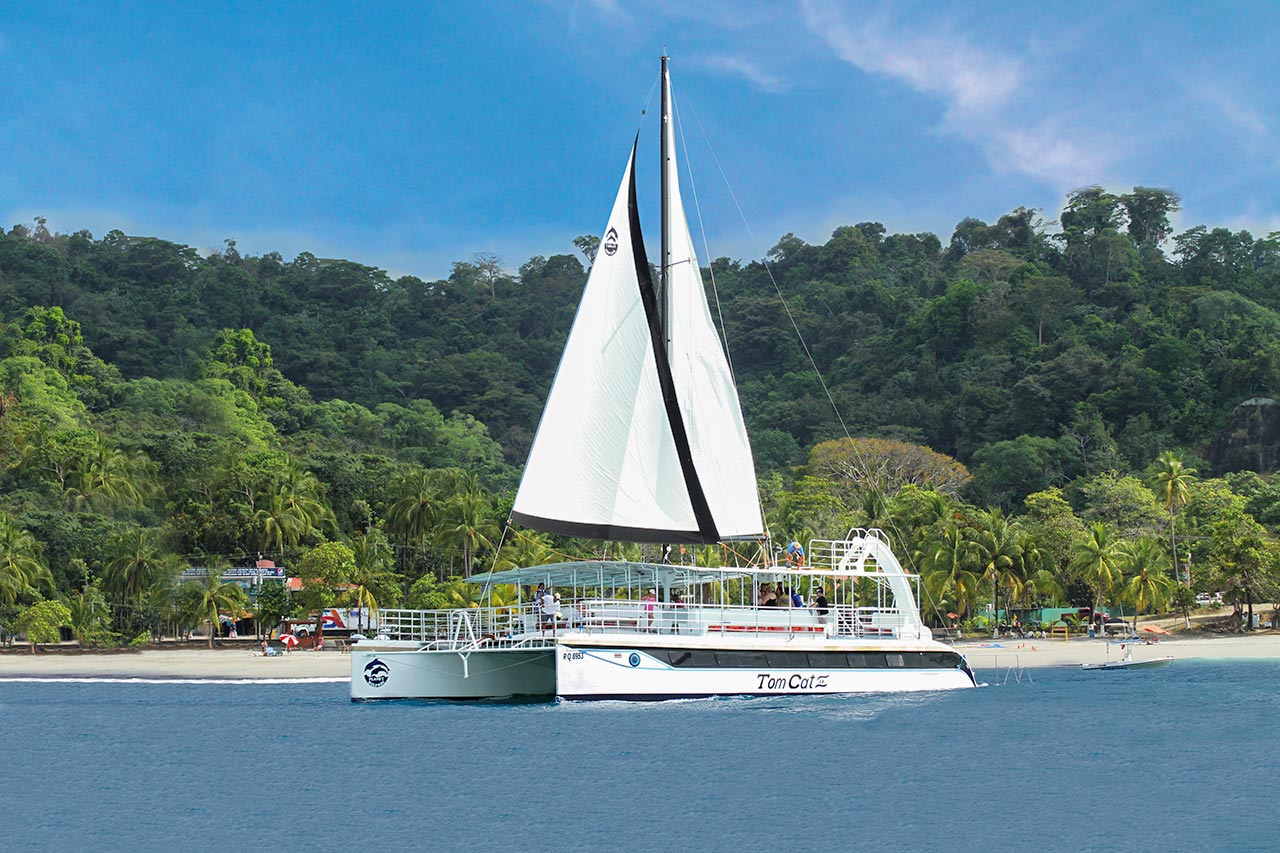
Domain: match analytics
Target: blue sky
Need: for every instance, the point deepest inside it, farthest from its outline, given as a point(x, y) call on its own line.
point(412, 135)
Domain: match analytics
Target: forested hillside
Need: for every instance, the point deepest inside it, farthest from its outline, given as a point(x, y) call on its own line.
point(162, 407)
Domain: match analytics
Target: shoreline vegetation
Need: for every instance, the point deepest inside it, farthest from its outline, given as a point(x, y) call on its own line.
point(1081, 414)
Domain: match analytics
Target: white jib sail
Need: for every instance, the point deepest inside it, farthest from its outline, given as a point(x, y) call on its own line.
point(603, 463)
point(704, 384)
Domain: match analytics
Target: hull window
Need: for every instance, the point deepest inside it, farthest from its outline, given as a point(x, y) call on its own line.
point(746, 659)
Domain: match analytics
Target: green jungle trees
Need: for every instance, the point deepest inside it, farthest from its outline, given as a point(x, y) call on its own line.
point(1025, 410)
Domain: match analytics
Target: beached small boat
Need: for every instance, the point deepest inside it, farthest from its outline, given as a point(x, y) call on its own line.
point(643, 440)
point(1127, 662)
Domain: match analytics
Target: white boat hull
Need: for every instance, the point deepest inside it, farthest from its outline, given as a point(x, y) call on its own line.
point(621, 672)
point(414, 674)
point(1151, 663)
point(584, 668)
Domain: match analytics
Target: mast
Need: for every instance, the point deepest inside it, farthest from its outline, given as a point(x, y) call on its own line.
point(664, 257)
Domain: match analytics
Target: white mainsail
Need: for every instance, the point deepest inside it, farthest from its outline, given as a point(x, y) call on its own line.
point(603, 463)
point(642, 439)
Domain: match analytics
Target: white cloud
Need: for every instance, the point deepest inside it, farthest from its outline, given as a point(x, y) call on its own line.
point(940, 63)
point(1240, 114)
point(1046, 153)
point(988, 97)
point(750, 70)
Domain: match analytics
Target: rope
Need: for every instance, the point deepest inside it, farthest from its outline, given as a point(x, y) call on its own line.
point(715, 290)
point(859, 457)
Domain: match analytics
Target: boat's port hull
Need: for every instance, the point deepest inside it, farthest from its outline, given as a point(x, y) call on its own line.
point(405, 674)
point(649, 672)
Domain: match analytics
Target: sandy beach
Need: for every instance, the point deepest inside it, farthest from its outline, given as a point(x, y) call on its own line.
point(199, 663)
point(1002, 654)
point(175, 663)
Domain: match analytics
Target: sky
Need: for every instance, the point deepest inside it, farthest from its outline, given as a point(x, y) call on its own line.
point(409, 135)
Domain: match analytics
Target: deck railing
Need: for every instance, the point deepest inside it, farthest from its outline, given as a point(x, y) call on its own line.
point(506, 626)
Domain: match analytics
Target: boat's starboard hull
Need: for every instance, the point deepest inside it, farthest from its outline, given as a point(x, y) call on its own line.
point(648, 673)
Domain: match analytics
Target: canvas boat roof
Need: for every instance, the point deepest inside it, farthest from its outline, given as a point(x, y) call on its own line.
point(622, 573)
point(601, 573)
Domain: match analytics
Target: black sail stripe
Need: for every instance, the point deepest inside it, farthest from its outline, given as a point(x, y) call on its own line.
point(611, 532)
point(648, 295)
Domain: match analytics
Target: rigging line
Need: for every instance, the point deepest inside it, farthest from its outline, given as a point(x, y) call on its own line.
point(768, 269)
point(715, 290)
point(866, 469)
point(702, 229)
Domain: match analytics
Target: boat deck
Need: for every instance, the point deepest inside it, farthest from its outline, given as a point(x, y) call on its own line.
point(525, 627)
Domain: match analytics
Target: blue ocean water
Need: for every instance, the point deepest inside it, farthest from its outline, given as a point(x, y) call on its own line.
point(1175, 759)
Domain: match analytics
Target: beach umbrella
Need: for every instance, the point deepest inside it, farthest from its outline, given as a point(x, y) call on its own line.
point(288, 640)
point(953, 615)
point(1154, 629)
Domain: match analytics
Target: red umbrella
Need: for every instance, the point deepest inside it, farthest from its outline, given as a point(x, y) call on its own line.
point(953, 615)
point(288, 640)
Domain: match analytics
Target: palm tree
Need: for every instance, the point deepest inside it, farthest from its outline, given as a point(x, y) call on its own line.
point(466, 523)
point(88, 614)
point(947, 564)
point(106, 477)
point(369, 551)
point(22, 568)
point(412, 514)
point(201, 600)
point(525, 549)
point(295, 511)
point(1036, 580)
point(1173, 487)
point(138, 559)
point(998, 549)
point(1147, 585)
point(1096, 561)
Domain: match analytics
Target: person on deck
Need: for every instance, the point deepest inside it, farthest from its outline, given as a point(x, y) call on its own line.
point(548, 614)
point(820, 602)
point(795, 554)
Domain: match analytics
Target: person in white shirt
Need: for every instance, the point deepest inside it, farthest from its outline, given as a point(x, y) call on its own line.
point(549, 608)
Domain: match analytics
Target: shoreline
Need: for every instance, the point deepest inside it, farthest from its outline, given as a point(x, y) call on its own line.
point(201, 664)
point(1039, 653)
point(173, 664)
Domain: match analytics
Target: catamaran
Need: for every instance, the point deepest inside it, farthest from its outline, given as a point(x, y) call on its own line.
point(643, 440)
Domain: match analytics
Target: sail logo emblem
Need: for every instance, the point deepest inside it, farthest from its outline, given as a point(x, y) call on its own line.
point(611, 242)
point(376, 673)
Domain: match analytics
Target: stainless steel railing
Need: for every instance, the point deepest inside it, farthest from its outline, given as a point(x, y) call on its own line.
point(504, 627)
